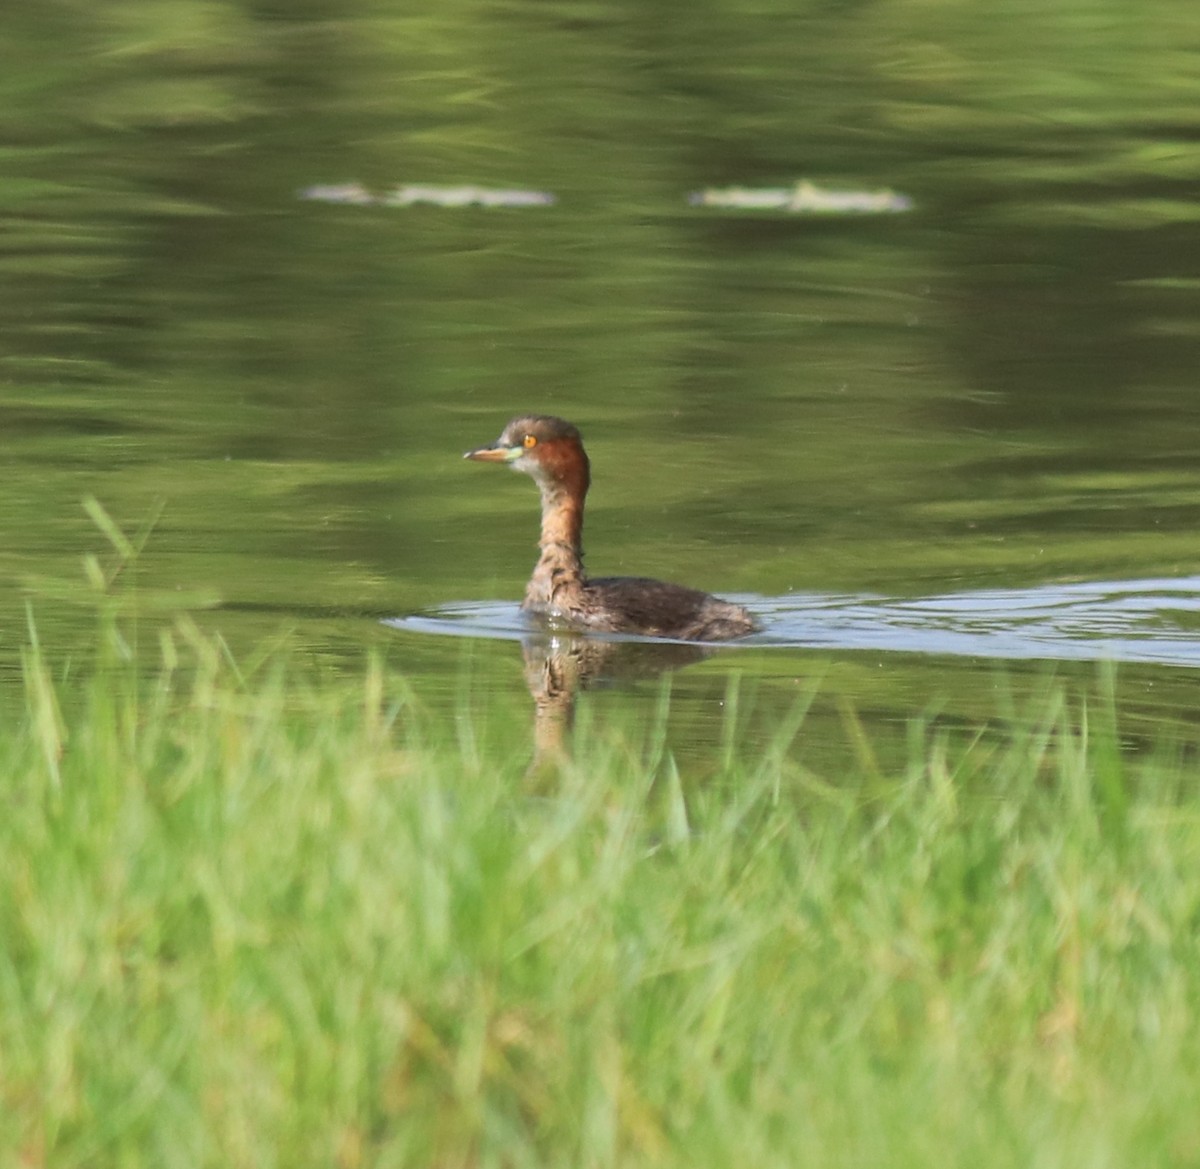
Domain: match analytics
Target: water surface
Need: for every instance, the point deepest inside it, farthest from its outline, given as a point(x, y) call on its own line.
point(928, 445)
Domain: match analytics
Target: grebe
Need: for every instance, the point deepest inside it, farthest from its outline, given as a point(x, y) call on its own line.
point(551, 451)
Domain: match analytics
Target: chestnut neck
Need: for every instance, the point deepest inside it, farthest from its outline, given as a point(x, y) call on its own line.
point(558, 577)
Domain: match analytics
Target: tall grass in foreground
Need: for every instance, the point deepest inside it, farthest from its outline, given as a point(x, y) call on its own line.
point(249, 917)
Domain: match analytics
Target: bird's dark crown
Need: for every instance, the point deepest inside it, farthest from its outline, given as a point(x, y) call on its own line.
point(543, 427)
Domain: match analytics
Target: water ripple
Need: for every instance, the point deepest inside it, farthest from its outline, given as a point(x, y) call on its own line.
point(1132, 621)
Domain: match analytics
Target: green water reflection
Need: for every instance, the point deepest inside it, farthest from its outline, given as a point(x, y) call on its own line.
point(996, 389)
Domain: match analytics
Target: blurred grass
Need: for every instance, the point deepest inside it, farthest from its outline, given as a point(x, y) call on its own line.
point(256, 914)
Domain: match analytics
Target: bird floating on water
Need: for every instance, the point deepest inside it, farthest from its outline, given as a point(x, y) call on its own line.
point(551, 451)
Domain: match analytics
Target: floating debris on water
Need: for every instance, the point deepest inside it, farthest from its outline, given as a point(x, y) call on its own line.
point(355, 194)
point(803, 198)
point(466, 197)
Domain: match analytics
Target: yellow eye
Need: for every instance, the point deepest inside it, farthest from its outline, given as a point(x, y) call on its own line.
point(529, 441)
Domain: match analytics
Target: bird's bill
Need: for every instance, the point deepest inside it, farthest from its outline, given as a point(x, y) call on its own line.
point(494, 454)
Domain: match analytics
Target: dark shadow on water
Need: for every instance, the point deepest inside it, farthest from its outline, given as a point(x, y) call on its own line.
point(558, 664)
